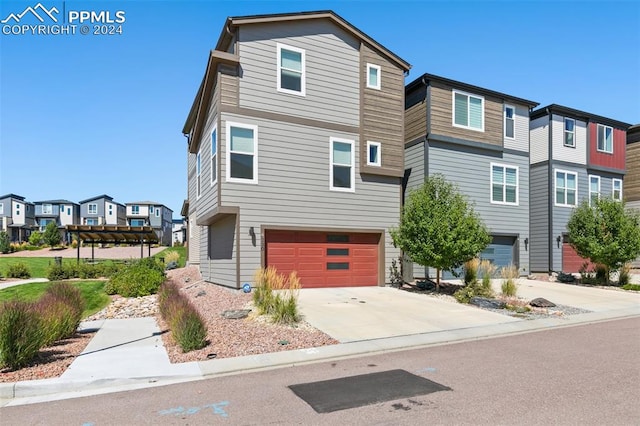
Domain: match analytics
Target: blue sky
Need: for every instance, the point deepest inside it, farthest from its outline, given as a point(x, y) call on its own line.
point(83, 115)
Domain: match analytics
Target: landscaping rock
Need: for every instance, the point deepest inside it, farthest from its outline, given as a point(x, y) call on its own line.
point(236, 313)
point(541, 303)
point(171, 265)
point(486, 303)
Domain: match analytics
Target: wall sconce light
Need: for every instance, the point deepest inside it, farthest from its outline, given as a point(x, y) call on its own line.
point(252, 232)
point(558, 239)
point(526, 244)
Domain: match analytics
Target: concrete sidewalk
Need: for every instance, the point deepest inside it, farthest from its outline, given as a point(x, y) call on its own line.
point(7, 284)
point(129, 354)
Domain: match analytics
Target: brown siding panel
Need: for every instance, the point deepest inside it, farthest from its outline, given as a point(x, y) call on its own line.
point(415, 118)
point(631, 185)
point(442, 117)
point(383, 113)
point(229, 85)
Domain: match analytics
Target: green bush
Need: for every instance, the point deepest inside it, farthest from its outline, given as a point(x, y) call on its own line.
point(5, 243)
point(61, 272)
point(509, 275)
point(139, 279)
point(35, 239)
point(20, 334)
point(624, 277)
point(477, 289)
point(635, 287)
point(18, 270)
point(277, 295)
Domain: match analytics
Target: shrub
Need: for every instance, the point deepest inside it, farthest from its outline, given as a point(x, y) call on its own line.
point(488, 269)
point(602, 274)
point(18, 270)
point(635, 287)
point(625, 274)
point(471, 270)
point(51, 235)
point(5, 244)
point(395, 273)
point(509, 275)
point(569, 278)
point(171, 256)
point(476, 289)
point(70, 295)
point(57, 319)
point(20, 334)
point(277, 295)
point(187, 326)
point(35, 239)
point(142, 278)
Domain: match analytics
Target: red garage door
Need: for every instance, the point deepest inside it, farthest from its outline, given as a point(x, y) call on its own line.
point(325, 259)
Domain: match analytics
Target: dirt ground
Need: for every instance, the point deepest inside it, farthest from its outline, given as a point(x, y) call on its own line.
point(123, 252)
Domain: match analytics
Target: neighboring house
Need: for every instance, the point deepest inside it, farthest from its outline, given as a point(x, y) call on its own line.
point(154, 214)
point(102, 210)
point(632, 178)
point(295, 152)
point(478, 139)
point(61, 212)
point(16, 217)
point(179, 228)
point(575, 155)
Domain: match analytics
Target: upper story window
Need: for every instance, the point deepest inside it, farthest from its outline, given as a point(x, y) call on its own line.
point(110, 209)
point(291, 70)
point(504, 184)
point(214, 155)
point(342, 170)
point(92, 209)
point(157, 211)
point(468, 111)
point(242, 153)
point(137, 222)
point(150, 209)
point(17, 209)
point(69, 211)
point(509, 122)
point(616, 189)
point(374, 74)
point(373, 154)
point(570, 132)
point(594, 189)
point(198, 173)
point(566, 188)
point(605, 139)
point(47, 209)
point(135, 209)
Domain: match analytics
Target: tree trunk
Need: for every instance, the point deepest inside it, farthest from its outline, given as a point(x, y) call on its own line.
point(437, 280)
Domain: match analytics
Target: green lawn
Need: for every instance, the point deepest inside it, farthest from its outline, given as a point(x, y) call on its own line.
point(92, 292)
point(182, 251)
point(38, 266)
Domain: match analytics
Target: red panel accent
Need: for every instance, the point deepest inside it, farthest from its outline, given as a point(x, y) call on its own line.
point(306, 253)
point(571, 261)
point(599, 158)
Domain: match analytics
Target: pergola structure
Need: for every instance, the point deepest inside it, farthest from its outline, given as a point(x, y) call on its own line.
point(114, 234)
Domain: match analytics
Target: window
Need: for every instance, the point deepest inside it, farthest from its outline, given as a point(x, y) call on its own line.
point(342, 172)
point(214, 155)
point(509, 122)
point(110, 209)
point(47, 209)
point(468, 111)
point(92, 221)
point(605, 139)
point(373, 76)
point(92, 209)
point(570, 132)
point(69, 211)
point(594, 189)
point(566, 188)
point(504, 184)
point(135, 209)
point(242, 153)
point(337, 252)
point(334, 266)
point(616, 190)
point(157, 211)
point(198, 171)
point(150, 209)
point(291, 70)
point(373, 154)
point(137, 222)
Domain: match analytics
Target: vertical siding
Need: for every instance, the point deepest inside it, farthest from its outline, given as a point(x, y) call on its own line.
point(415, 119)
point(294, 178)
point(539, 218)
point(615, 160)
point(220, 266)
point(539, 144)
point(576, 155)
point(521, 141)
point(631, 186)
point(332, 71)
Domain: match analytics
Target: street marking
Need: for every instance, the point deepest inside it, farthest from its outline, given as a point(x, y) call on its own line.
point(217, 408)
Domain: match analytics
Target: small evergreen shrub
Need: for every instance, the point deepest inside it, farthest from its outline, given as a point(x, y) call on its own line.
point(5, 243)
point(20, 334)
point(142, 278)
point(18, 270)
point(477, 289)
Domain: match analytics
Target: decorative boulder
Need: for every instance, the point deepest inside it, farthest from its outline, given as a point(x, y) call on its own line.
point(236, 313)
point(541, 303)
point(483, 302)
point(171, 265)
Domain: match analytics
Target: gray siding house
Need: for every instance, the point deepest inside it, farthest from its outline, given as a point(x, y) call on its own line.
point(295, 152)
point(478, 139)
point(102, 210)
point(154, 214)
point(17, 217)
point(575, 156)
point(61, 212)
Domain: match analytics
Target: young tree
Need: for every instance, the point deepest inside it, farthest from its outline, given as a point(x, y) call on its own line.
point(439, 228)
point(51, 235)
point(606, 232)
point(35, 239)
point(5, 243)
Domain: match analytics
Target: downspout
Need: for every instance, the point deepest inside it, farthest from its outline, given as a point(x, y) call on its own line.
point(551, 194)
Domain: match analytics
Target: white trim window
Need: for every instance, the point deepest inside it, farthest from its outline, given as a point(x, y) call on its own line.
point(135, 209)
point(616, 189)
point(92, 221)
point(605, 139)
point(594, 189)
point(157, 211)
point(242, 153)
point(374, 154)
point(47, 208)
point(291, 70)
point(342, 169)
point(566, 184)
point(151, 209)
point(569, 132)
point(509, 122)
point(468, 111)
point(214, 155)
point(92, 208)
point(374, 76)
point(198, 175)
point(504, 184)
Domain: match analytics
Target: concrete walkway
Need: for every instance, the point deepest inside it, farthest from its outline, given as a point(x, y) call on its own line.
point(7, 284)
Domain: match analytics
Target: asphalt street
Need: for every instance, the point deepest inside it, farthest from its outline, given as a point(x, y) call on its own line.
point(585, 374)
